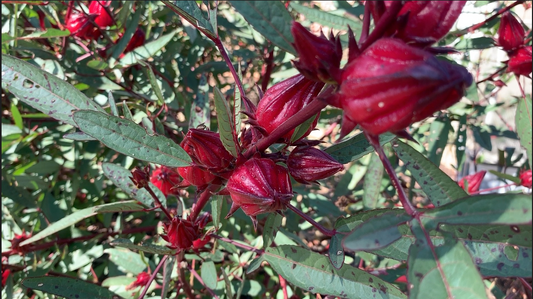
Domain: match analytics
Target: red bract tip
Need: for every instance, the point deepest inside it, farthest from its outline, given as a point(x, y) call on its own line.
point(141, 281)
point(259, 186)
point(319, 57)
point(473, 180)
point(309, 164)
point(520, 62)
point(525, 178)
point(165, 179)
point(511, 34)
point(392, 85)
point(283, 100)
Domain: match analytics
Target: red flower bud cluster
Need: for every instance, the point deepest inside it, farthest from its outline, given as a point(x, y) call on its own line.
point(473, 181)
point(283, 100)
point(259, 186)
point(182, 234)
point(88, 26)
point(525, 178)
point(512, 38)
point(391, 85)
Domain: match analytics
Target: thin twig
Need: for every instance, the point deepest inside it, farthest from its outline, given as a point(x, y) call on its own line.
point(152, 277)
point(202, 282)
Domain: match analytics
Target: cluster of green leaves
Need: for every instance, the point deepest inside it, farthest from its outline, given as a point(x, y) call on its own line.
point(67, 152)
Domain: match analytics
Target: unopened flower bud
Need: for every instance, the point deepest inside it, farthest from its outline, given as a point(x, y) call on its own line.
point(319, 57)
point(180, 234)
point(392, 85)
point(511, 34)
point(79, 25)
point(283, 100)
point(141, 280)
point(525, 178)
point(140, 176)
point(308, 164)
point(473, 181)
point(196, 176)
point(166, 179)
point(259, 186)
point(520, 62)
point(428, 21)
point(206, 149)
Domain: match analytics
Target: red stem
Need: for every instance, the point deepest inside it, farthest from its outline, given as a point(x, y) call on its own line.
point(493, 188)
point(243, 246)
point(152, 277)
point(202, 282)
point(224, 54)
point(325, 231)
point(283, 284)
point(267, 71)
point(181, 276)
point(202, 201)
point(501, 11)
point(407, 205)
point(158, 203)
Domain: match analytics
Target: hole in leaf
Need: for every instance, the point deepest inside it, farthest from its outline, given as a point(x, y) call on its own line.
point(27, 84)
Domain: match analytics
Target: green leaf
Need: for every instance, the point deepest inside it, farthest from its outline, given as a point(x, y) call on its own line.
point(150, 248)
point(438, 138)
point(271, 19)
point(125, 206)
point(336, 252)
point(372, 183)
point(200, 112)
point(147, 50)
point(443, 272)
point(255, 264)
point(216, 209)
point(17, 119)
point(8, 129)
point(474, 43)
point(438, 186)
point(460, 142)
point(524, 122)
point(505, 176)
point(125, 136)
point(128, 34)
point(229, 293)
point(78, 136)
point(168, 268)
point(42, 90)
point(270, 229)
point(301, 129)
point(68, 288)
point(511, 209)
point(325, 18)
point(225, 123)
point(129, 260)
point(375, 233)
point(313, 272)
point(209, 274)
point(19, 195)
point(153, 82)
point(49, 33)
point(190, 11)
point(355, 147)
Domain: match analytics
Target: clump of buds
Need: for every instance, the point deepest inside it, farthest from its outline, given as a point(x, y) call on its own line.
point(259, 186)
point(165, 179)
point(525, 178)
point(319, 57)
point(512, 38)
point(391, 85)
point(83, 26)
point(283, 100)
point(308, 164)
point(473, 181)
point(182, 233)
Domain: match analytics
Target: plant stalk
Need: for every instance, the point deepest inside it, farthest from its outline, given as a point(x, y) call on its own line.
point(322, 229)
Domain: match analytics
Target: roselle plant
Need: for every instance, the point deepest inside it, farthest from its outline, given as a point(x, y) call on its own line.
point(189, 149)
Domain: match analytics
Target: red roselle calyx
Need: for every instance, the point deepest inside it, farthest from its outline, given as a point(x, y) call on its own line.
point(206, 149)
point(259, 186)
point(136, 40)
point(79, 25)
point(427, 21)
point(520, 62)
point(308, 164)
point(165, 179)
point(511, 34)
point(473, 180)
point(525, 178)
point(195, 176)
point(392, 85)
point(319, 57)
point(98, 8)
point(283, 100)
